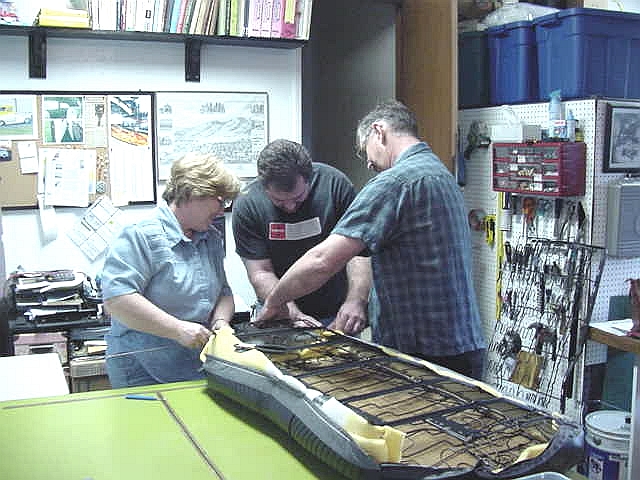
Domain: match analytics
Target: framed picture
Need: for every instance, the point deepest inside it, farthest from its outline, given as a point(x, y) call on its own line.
point(231, 125)
point(622, 140)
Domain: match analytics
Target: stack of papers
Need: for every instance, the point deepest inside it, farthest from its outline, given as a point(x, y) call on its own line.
point(63, 17)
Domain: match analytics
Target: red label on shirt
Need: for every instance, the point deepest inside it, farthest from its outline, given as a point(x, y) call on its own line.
point(277, 231)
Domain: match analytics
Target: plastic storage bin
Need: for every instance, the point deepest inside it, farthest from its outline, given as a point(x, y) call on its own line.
point(514, 63)
point(585, 52)
point(473, 70)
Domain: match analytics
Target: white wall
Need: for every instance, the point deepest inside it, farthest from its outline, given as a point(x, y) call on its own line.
point(95, 65)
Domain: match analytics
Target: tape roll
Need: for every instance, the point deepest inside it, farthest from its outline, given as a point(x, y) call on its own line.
point(506, 216)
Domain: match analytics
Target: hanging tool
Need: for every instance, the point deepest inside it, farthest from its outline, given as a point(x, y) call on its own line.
point(544, 335)
point(490, 229)
point(509, 348)
point(557, 211)
point(506, 213)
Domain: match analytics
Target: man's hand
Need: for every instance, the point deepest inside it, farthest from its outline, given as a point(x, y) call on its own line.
point(269, 313)
point(302, 320)
point(351, 318)
point(193, 335)
point(290, 312)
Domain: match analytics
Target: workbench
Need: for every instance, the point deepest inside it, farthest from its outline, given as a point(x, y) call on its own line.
point(183, 432)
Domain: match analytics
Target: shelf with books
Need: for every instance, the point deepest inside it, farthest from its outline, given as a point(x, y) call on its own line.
point(38, 43)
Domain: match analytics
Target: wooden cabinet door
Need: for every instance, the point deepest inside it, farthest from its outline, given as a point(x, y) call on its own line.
point(427, 70)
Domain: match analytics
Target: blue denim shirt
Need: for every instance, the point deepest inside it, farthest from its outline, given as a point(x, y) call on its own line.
point(182, 276)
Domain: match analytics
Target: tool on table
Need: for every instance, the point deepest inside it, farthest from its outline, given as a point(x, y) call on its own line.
point(137, 396)
point(136, 352)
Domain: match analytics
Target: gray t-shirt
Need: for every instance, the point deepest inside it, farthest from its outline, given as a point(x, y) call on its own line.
point(263, 231)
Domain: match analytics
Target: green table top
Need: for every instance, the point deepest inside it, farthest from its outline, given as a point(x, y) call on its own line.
point(185, 432)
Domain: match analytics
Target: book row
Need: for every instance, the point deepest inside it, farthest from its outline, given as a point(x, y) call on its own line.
point(242, 18)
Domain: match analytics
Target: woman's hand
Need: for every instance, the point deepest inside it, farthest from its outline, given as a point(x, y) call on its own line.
point(192, 335)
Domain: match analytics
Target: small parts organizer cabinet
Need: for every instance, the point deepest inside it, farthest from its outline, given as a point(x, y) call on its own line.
point(555, 169)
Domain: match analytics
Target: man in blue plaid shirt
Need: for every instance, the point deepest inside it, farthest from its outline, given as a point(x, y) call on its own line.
point(411, 219)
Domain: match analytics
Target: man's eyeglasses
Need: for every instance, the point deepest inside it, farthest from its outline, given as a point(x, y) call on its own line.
point(361, 148)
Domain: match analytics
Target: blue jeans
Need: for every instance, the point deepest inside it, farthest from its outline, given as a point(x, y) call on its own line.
point(137, 358)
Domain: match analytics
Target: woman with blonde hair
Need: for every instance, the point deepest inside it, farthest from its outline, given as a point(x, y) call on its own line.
point(163, 281)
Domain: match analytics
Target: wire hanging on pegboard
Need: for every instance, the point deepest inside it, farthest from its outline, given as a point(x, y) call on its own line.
point(547, 292)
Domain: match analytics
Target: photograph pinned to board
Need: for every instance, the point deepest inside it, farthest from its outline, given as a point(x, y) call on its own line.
point(62, 119)
point(17, 117)
point(622, 139)
point(231, 125)
point(131, 148)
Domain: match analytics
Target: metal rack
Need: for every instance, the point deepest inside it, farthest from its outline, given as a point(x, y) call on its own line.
point(547, 293)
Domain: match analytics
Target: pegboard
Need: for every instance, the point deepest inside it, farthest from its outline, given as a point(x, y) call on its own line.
point(616, 270)
point(479, 196)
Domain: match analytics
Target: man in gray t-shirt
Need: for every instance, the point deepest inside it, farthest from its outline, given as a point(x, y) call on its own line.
point(411, 218)
point(292, 206)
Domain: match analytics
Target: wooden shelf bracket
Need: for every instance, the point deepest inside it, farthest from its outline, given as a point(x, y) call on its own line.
point(192, 48)
point(37, 54)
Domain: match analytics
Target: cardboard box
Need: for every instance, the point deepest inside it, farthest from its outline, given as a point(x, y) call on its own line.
point(516, 133)
point(88, 374)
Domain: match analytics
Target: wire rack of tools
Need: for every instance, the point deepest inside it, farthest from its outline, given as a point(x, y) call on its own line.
point(547, 293)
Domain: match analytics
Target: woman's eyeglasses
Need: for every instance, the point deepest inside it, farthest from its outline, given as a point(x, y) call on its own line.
point(225, 202)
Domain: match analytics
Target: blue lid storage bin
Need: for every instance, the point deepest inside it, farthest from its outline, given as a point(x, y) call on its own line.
point(473, 70)
point(584, 52)
point(514, 63)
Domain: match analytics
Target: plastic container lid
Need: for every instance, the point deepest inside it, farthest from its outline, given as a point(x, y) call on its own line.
point(516, 12)
point(611, 422)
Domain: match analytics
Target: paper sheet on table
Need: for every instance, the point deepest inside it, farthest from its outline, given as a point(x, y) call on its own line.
point(615, 327)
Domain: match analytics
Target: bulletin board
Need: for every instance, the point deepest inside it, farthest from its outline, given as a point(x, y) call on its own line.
point(69, 148)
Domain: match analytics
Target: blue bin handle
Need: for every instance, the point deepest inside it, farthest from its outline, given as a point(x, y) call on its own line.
point(498, 31)
point(550, 20)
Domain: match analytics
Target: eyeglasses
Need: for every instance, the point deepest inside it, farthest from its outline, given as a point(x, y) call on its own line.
point(225, 202)
point(361, 148)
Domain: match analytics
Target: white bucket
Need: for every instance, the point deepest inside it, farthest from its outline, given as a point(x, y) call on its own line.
point(607, 435)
